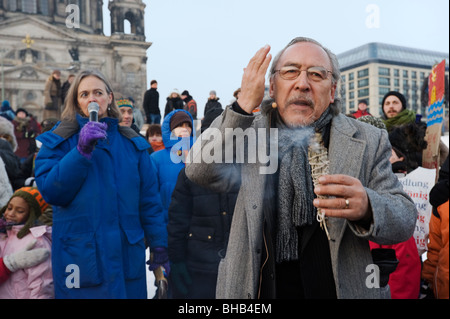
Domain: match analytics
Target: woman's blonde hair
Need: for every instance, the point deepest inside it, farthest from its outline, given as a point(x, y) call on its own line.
point(72, 108)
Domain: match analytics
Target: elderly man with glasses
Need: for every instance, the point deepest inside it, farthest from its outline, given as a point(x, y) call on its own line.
point(304, 231)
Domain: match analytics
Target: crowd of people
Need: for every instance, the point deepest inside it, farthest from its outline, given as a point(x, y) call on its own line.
point(82, 200)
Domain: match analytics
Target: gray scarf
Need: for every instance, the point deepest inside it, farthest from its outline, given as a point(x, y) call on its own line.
point(295, 185)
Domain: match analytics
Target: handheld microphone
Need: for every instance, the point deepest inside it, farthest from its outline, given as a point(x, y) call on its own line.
point(93, 111)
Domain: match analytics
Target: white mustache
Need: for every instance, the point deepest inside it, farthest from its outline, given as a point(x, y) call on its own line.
point(300, 100)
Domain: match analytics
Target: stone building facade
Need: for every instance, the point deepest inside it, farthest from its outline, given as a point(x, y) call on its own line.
point(39, 36)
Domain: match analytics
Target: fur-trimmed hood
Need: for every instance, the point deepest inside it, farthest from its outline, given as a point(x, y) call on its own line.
point(7, 130)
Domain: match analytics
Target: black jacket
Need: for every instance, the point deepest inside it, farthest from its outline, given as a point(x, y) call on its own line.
point(439, 194)
point(12, 164)
point(210, 117)
point(199, 225)
point(151, 102)
point(173, 103)
point(211, 104)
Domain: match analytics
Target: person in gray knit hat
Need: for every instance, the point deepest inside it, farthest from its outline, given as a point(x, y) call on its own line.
point(212, 103)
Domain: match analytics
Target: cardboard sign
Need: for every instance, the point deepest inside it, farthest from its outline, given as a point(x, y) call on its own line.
point(430, 155)
point(418, 185)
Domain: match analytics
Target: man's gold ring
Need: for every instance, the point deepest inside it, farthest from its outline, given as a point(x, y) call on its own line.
point(347, 204)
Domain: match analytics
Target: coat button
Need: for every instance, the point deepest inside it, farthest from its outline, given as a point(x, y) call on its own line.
point(255, 207)
point(224, 213)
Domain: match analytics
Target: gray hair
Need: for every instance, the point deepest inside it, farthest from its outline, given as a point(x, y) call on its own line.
point(336, 105)
point(333, 59)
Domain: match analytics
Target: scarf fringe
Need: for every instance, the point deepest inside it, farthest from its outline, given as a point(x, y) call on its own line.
point(295, 187)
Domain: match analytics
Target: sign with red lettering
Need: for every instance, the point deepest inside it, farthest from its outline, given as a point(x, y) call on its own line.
point(417, 185)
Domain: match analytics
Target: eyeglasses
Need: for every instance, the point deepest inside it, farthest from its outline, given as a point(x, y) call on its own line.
point(314, 73)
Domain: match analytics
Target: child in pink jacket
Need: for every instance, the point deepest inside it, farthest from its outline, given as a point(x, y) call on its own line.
point(21, 213)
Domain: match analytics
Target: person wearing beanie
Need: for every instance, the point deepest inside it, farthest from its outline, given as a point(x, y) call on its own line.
point(127, 110)
point(180, 118)
point(190, 104)
point(401, 121)
point(174, 102)
point(395, 111)
point(212, 103)
point(406, 133)
point(20, 231)
point(362, 109)
point(6, 111)
point(195, 262)
point(177, 137)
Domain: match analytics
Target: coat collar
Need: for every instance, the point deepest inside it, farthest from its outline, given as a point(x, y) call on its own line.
point(343, 143)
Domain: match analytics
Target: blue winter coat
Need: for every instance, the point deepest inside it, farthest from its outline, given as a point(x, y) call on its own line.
point(102, 209)
point(168, 162)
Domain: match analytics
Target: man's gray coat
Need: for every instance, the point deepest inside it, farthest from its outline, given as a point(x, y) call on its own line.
point(356, 149)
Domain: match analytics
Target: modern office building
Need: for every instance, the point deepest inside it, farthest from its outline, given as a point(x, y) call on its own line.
point(39, 36)
point(371, 70)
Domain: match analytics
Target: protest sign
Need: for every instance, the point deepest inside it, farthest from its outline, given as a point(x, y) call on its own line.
point(435, 116)
point(418, 185)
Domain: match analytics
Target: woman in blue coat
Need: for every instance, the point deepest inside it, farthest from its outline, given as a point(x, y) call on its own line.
point(177, 134)
point(100, 181)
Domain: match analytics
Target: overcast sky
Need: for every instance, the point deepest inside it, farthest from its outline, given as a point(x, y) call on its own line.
point(203, 45)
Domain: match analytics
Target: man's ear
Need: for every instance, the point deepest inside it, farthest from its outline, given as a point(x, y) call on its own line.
point(333, 92)
point(271, 87)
